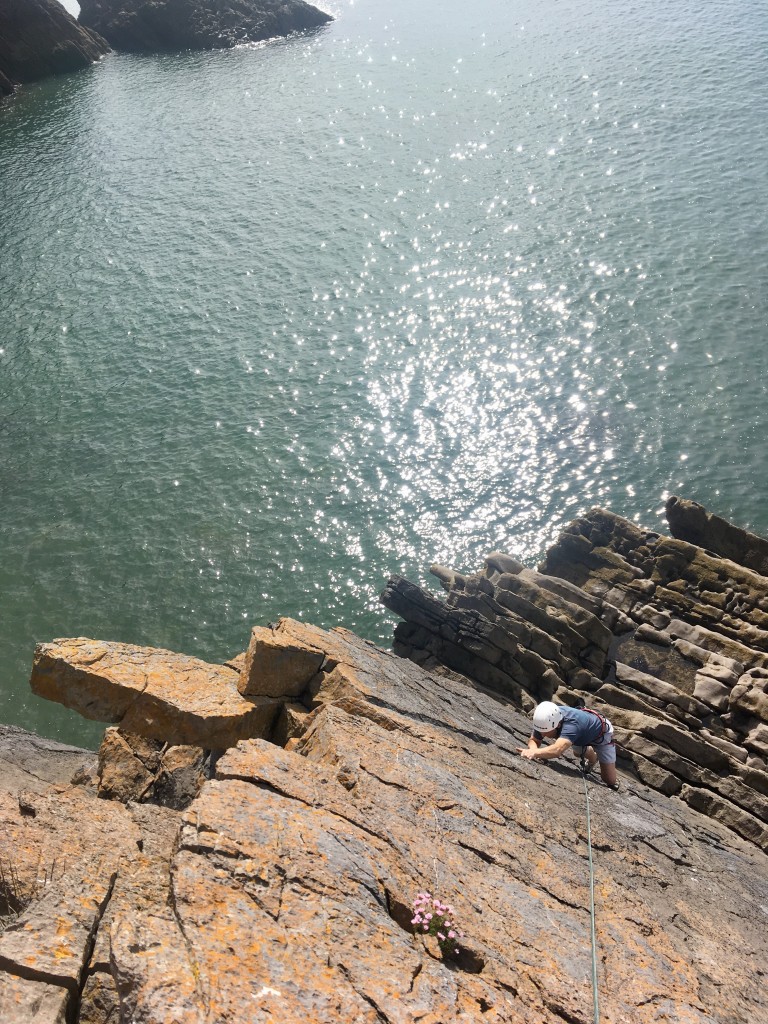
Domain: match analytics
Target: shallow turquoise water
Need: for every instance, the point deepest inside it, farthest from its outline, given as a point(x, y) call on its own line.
point(280, 321)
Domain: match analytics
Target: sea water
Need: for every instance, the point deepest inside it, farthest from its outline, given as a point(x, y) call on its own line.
point(280, 321)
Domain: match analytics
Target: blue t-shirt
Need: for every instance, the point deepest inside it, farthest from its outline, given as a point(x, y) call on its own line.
point(580, 727)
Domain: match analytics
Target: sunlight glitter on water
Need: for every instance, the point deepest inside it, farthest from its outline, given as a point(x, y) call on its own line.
point(294, 366)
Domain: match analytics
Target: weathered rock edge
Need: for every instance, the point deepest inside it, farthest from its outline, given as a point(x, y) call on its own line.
point(668, 638)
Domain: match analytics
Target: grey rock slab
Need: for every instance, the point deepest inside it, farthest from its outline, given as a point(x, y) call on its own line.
point(687, 745)
point(715, 643)
point(654, 775)
point(714, 806)
point(31, 762)
point(691, 522)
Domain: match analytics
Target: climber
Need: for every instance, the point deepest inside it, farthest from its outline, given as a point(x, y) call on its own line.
point(588, 732)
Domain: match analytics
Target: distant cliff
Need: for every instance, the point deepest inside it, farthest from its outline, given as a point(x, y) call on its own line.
point(148, 26)
point(40, 38)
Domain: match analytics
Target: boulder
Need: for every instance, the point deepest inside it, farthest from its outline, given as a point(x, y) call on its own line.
point(135, 769)
point(150, 692)
point(40, 38)
point(183, 769)
point(150, 26)
point(122, 774)
point(275, 667)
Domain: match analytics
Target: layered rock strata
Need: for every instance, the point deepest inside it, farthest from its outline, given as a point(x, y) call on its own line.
point(284, 890)
point(669, 639)
point(142, 26)
point(40, 38)
point(691, 522)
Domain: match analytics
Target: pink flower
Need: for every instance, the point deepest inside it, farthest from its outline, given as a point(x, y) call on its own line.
point(451, 935)
point(416, 920)
point(426, 927)
point(441, 936)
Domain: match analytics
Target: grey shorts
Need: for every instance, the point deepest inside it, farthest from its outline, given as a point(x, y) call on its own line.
point(605, 749)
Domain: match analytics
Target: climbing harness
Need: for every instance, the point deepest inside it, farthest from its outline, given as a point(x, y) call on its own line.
point(584, 772)
point(603, 722)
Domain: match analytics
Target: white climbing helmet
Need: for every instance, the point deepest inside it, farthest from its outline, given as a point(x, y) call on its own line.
point(547, 716)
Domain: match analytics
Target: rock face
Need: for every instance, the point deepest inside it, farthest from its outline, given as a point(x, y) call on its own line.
point(667, 638)
point(156, 25)
point(274, 880)
point(284, 891)
point(40, 38)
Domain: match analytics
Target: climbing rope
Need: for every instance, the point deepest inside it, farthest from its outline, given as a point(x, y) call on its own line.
point(584, 773)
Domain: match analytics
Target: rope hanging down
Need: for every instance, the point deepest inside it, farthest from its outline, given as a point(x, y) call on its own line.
point(584, 773)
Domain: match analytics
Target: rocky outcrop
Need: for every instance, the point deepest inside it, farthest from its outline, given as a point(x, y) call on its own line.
point(669, 639)
point(691, 522)
point(285, 890)
point(142, 26)
point(40, 38)
point(152, 693)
